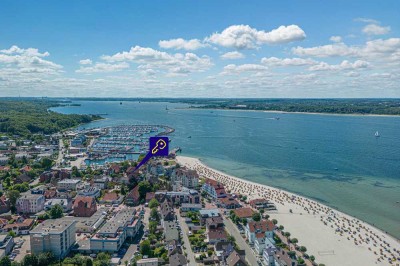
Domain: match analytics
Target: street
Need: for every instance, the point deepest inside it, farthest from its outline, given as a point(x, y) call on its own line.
point(185, 230)
point(234, 231)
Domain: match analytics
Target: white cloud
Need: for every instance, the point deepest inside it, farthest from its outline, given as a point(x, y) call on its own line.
point(85, 62)
point(232, 55)
point(335, 39)
point(329, 50)
point(245, 37)
point(274, 61)
point(366, 20)
point(179, 64)
point(181, 44)
point(344, 65)
point(374, 29)
point(232, 69)
point(103, 68)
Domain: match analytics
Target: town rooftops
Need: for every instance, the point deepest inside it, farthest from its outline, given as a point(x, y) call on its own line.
point(118, 221)
point(111, 196)
point(244, 212)
point(52, 226)
point(88, 201)
point(30, 196)
point(217, 234)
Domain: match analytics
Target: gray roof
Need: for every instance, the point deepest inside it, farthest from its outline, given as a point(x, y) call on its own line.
point(170, 231)
point(52, 226)
point(118, 221)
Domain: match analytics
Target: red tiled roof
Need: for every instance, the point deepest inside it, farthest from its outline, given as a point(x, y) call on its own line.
point(261, 226)
point(260, 200)
point(134, 193)
point(244, 212)
point(217, 234)
point(27, 223)
point(86, 200)
point(111, 196)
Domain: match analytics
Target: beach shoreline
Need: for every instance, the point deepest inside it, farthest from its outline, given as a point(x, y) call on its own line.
point(333, 237)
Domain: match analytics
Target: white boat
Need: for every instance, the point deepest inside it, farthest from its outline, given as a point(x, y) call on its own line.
point(377, 134)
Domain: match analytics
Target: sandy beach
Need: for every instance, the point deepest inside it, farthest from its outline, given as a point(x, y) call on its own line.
point(333, 237)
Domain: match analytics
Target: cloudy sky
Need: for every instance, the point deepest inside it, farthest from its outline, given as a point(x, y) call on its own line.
point(200, 48)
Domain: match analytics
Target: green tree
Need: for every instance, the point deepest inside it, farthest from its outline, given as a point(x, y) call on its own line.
point(312, 258)
point(144, 187)
point(275, 221)
point(303, 249)
point(56, 212)
point(31, 260)
point(153, 227)
point(153, 203)
point(5, 261)
point(145, 248)
point(13, 195)
point(294, 240)
point(46, 163)
point(154, 214)
point(45, 259)
point(256, 217)
point(244, 221)
point(89, 262)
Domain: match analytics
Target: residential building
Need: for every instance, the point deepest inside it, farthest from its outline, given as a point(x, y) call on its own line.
point(55, 236)
point(167, 211)
point(30, 203)
point(66, 204)
point(190, 207)
point(90, 192)
point(112, 198)
point(244, 213)
point(184, 196)
point(148, 262)
point(281, 258)
point(6, 244)
point(260, 203)
point(133, 198)
point(84, 206)
point(4, 204)
point(68, 184)
point(19, 227)
point(114, 232)
point(214, 189)
point(101, 182)
point(150, 196)
point(216, 235)
point(229, 203)
point(185, 177)
point(177, 259)
point(24, 178)
point(236, 260)
point(268, 255)
point(263, 227)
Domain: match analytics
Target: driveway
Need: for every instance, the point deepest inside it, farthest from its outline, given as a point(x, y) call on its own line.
point(234, 231)
point(185, 230)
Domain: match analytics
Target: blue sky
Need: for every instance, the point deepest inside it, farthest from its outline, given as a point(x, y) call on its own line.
point(200, 48)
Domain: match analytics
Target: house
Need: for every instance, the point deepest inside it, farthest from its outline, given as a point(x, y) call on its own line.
point(149, 262)
point(177, 259)
point(244, 213)
point(90, 192)
point(184, 196)
point(112, 198)
point(167, 211)
point(186, 207)
point(50, 193)
point(214, 222)
point(206, 213)
point(216, 235)
point(260, 203)
point(149, 196)
point(101, 182)
point(261, 242)
point(24, 178)
point(229, 203)
point(185, 177)
point(282, 258)
point(214, 189)
point(84, 206)
point(25, 169)
point(65, 204)
point(30, 203)
point(235, 259)
point(268, 255)
point(46, 177)
point(223, 250)
point(114, 169)
point(264, 227)
point(4, 204)
point(19, 228)
point(68, 184)
point(133, 198)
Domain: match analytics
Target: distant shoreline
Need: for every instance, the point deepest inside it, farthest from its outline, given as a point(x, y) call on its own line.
point(286, 112)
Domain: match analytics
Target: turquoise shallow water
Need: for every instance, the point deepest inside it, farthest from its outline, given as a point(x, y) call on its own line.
point(333, 159)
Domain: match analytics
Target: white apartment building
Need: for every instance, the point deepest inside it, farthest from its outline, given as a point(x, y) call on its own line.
point(68, 184)
point(185, 177)
point(30, 203)
point(55, 236)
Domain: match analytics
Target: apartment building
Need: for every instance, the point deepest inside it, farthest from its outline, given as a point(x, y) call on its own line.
point(30, 203)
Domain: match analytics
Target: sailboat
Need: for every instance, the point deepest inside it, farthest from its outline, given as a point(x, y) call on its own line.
point(166, 107)
point(377, 134)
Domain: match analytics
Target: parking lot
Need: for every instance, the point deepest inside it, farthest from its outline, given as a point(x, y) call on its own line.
point(21, 247)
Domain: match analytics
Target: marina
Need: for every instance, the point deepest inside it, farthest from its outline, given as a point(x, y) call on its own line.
point(120, 143)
